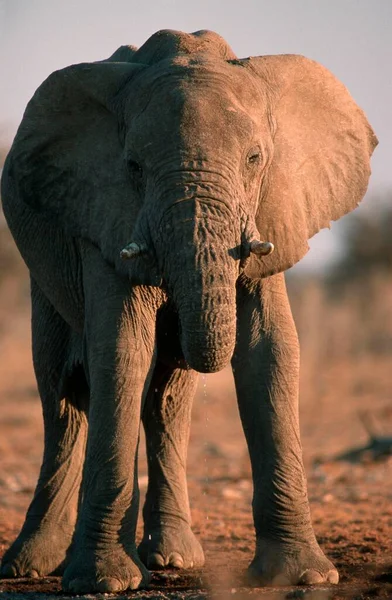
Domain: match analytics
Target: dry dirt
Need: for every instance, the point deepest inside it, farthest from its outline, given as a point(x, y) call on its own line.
point(350, 495)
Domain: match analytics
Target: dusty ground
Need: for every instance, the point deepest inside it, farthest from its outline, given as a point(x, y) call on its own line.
point(350, 497)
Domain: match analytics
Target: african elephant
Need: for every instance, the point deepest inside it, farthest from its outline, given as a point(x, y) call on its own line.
point(195, 164)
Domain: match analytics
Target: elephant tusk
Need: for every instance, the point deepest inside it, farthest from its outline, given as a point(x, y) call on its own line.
point(261, 248)
point(133, 250)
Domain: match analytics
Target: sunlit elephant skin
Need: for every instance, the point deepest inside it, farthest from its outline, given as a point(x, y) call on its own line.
point(146, 194)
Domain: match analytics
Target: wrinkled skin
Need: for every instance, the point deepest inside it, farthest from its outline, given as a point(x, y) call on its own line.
point(190, 153)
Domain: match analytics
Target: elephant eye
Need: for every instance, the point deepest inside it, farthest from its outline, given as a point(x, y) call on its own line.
point(254, 157)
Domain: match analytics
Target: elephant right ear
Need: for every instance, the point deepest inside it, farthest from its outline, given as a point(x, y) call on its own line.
point(67, 160)
point(321, 159)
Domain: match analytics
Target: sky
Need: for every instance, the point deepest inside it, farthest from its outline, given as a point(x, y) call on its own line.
point(352, 38)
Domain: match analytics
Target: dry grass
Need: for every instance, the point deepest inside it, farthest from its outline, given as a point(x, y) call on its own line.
point(349, 331)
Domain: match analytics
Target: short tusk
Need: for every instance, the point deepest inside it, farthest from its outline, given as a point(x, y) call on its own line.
point(261, 248)
point(133, 250)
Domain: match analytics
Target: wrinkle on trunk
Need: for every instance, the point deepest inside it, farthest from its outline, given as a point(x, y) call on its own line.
point(196, 247)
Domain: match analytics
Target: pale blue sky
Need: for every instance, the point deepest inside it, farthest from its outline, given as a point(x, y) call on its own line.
point(350, 37)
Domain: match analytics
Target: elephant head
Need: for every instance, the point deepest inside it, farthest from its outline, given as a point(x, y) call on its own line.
point(197, 162)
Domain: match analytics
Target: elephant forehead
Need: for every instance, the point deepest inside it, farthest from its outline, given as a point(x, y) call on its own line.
point(204, 120)
point(197, 101)
point(182, 77)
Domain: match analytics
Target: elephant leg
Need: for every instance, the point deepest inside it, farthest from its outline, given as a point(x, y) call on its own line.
point(120, 354)
point(45, 538)
point(168, 539)
point(266, 372)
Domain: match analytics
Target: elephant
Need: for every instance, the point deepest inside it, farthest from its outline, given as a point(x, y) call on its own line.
point(157, 197)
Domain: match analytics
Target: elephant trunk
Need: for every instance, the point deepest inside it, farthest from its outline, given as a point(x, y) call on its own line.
point(198, 244)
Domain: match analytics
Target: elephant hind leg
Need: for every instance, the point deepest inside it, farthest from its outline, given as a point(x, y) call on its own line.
point(42, 545)
point(168, 540)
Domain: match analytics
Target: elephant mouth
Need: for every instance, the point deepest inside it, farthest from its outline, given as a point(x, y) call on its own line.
point(169, 337)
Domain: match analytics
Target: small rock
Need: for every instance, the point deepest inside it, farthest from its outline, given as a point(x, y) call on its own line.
point(328, 498)
point(232, 493)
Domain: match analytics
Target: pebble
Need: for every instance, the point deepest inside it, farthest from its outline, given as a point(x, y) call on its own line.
point(328, 498)
point(232, 493)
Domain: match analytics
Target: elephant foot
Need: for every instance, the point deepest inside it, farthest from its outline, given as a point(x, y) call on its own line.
point(36, 554)
point(277, 563)
point(170, 546)
point(111, 570)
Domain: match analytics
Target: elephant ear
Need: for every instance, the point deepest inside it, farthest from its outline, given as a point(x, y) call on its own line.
point(321, 158)
point(67, 161)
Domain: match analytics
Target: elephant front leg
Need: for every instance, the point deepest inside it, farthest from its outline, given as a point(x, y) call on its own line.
point(168, 540)
point(120, 341)
point(266, 372)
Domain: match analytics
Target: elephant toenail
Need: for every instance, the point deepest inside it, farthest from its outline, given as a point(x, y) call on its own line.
point(333, 577)
point(8, 571)
point(109, 584)
point(155, 560)
point(33, 574)
point(176, 560)
point(310, 577)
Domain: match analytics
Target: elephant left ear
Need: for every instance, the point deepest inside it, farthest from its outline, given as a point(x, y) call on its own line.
point(321, 161)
